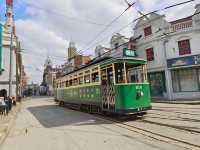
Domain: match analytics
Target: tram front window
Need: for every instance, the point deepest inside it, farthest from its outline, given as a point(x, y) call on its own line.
point(136, 73)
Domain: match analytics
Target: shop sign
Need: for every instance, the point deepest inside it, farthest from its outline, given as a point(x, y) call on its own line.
point(129, 53)
point(184, 61)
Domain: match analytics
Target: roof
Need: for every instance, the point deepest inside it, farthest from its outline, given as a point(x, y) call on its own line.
point(182, 20)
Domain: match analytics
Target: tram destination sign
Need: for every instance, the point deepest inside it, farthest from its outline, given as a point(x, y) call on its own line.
point(129, 53)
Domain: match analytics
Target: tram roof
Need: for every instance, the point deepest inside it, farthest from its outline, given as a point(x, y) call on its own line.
point(108, 60)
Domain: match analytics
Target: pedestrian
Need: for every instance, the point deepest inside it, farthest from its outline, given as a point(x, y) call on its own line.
point(7, 105)
point(10, 103)
point(3, 106)
point(14, 101)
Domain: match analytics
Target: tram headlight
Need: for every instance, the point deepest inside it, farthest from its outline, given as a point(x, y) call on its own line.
point(140, 94)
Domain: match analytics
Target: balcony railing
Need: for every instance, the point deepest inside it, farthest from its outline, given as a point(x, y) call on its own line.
point(181, 26)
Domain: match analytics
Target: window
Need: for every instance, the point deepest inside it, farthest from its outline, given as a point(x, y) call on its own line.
point(116, 45)
point(188, 80)
point(119, 73)
point(175, 81)
point(184, 47)
point(150, 54)
point(87, 79)
point(185, 80)
point(66, 83)
point(132, 47)
point(95, 77)
point(147, 31)
point(75, 82)
point(70, 82)
point(81, 79)
point(157, 83)
point(135, 74)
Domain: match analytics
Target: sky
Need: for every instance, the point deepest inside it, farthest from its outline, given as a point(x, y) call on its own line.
point(45, 27)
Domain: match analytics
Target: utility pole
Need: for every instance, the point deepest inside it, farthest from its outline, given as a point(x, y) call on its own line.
point(11, 63)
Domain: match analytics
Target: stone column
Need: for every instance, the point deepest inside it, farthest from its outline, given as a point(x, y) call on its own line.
point(168, 77)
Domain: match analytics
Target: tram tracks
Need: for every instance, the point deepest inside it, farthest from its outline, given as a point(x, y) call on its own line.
point(155, 135)
point(172, 126)
point(152, 134)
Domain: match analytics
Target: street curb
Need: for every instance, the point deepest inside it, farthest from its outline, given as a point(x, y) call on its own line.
point(183, 103)
point(10, 125)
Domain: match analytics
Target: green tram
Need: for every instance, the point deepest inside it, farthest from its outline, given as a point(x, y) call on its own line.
point(109, 85)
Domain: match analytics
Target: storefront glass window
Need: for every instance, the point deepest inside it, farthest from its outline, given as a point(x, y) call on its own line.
point(188, 80)
point(175, 81)
point(185, 80)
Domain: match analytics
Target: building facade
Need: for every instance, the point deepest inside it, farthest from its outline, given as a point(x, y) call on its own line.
point(6, 40)
point(49, 77)
point(172, 51)
point(5, 65)
point(118, 43)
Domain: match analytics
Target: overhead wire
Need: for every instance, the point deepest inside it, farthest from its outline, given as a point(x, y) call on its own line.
point(128, 41)
point(109, 24)
point(165, 8)
point(144, 15)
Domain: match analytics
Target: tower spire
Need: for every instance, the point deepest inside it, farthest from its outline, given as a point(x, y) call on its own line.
point(9, 14)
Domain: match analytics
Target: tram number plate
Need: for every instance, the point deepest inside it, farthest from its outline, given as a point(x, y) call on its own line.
point(138, 87)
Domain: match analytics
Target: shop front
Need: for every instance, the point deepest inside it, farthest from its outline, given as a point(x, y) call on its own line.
point(185, 73)
point(157, 83)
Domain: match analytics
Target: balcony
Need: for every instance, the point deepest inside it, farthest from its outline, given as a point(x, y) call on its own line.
point(181, 26)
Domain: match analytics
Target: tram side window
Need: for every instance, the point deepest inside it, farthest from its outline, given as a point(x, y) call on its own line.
point(63, 84)
point(87, 79)
point(119, 73)
point(110, 75)
point(95, 77)
point(81, 79)
point(66, 83)
point(103, 76)
point(75, 82)
point(70, 82)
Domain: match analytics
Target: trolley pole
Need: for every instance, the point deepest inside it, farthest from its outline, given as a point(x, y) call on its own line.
point(11, 63)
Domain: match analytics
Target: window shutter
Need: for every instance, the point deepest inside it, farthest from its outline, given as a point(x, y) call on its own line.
point(150, 54)
point(147, 31)
point(184, 47)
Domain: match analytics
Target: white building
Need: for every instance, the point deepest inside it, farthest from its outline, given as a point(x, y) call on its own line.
point(173, 54)
point(5, 65)
point(118, 43)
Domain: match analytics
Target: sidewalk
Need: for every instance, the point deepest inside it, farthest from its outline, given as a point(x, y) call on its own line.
point(179, 101)
point(6, 122)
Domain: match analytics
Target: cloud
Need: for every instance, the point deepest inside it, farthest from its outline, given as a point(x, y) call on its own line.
point(38, 42)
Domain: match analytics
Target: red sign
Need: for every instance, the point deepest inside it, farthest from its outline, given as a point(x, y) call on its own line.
point(9, 2)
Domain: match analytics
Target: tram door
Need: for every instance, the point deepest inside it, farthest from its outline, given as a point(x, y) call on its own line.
point(107, 89)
